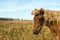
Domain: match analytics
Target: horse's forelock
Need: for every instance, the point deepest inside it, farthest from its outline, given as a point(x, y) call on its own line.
point(35, 11)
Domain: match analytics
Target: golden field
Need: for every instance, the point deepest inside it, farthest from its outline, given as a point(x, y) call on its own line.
point(22, 30)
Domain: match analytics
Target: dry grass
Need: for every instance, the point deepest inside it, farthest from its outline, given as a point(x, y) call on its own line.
point(22, 30)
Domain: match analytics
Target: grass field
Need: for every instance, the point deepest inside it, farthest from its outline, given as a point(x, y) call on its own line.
point(22, 30)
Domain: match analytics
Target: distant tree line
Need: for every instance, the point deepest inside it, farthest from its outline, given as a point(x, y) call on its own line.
point(8, 19)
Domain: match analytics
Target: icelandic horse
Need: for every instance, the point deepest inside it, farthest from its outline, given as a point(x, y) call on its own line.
point(50, 18)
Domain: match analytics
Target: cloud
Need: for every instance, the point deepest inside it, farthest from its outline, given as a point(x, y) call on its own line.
point(24, 7)
point(12, 5)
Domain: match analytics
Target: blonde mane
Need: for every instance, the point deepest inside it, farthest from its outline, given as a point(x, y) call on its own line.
point(52, 15)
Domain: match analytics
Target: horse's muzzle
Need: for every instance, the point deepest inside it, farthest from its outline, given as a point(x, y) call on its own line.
point(36, 32)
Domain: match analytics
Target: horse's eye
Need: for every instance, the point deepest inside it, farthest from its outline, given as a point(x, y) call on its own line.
point(39, 20)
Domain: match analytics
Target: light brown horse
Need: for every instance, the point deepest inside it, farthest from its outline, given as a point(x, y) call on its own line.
point(50, 18)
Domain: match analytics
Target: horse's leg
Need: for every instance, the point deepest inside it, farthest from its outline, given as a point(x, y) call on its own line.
point(56, 37)
point(59, 35)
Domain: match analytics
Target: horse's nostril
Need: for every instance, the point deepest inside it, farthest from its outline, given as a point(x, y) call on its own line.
point(36, 32)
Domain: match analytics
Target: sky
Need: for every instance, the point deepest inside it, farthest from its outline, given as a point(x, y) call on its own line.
point(21, 9)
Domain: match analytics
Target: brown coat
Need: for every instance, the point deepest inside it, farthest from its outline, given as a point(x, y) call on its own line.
point(51, 19)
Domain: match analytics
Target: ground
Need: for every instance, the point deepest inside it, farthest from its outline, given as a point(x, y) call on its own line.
point(22, 30)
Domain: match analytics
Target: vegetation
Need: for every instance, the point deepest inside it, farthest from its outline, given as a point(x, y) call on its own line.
point(7, 19)
point(22, 30)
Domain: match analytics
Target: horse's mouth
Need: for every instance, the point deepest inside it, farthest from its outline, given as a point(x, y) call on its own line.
point(36, 32)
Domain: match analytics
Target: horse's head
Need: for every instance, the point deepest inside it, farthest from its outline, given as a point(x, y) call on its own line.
point(38, 20)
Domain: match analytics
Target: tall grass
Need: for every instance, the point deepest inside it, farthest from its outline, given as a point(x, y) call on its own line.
point(22, 30)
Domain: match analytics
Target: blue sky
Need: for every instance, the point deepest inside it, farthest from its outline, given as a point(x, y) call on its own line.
point(23, 8)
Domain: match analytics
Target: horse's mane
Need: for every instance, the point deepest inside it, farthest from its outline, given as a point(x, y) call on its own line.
point(52, 15)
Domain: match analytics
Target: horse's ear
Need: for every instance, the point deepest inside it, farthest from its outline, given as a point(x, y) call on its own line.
point(42, 11)
point(35, 8)
point(33, 12)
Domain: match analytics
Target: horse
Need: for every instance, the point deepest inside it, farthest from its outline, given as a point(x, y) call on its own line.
point(50, 18)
